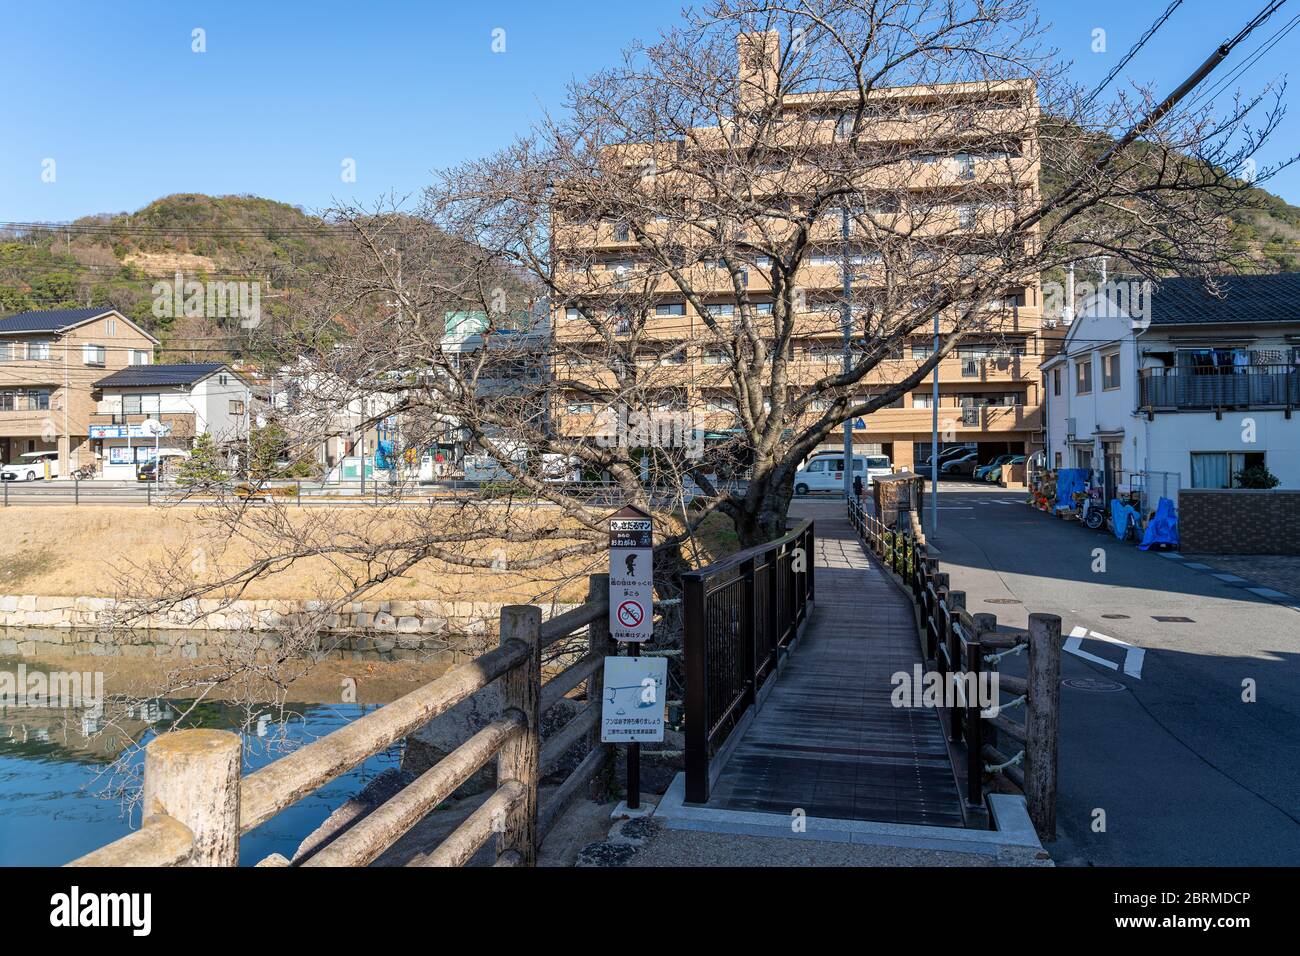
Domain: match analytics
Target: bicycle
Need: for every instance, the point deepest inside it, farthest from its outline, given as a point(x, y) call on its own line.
point(84, 472)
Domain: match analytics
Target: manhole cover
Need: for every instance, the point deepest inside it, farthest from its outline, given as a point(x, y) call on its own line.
point(1163, 619)
point(1115, 617)
point(1095, 684)
point(1001, 601)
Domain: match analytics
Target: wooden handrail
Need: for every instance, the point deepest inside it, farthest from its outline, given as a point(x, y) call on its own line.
point(200, 806)
point(962, 644)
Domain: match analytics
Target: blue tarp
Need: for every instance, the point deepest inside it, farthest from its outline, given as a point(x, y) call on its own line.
point(1163, 526)
point(383, 455)
point(1121, 516)
point(1068, 481)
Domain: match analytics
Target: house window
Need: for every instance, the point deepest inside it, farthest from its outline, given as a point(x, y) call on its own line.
point(724, 309)
point(621, 232)
point(222, 379)
point(111, 325)
point(670, 308)
point(38, 351)
point(1083, 376)
point(141, 357)
point(579, 408)
point(136, 404)
point(1219, 469)
point(1056, 381)
point(38, 401)
point(1110, 370)
point(923, 401)
point(573, 315)
point(236, 407)
point(1056, 461)
point(93, 355)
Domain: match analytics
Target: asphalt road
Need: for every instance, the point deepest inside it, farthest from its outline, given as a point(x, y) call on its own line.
point(1185, 771)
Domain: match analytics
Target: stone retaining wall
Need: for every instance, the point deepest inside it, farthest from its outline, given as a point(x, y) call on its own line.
point(435, 619)
point(1239, 520)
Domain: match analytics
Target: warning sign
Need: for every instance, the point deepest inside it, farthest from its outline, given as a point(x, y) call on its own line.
point(631, 575)
point(633, 707)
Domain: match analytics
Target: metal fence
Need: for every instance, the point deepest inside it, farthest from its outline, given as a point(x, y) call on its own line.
point(740, 615)
point(1244, 386)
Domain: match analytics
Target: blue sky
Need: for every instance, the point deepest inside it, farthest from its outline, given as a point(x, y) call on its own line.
point(285, 92)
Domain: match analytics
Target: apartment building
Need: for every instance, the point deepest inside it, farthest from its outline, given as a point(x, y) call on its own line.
point(1195, 389)
point(49, 363)
point(151, 411)
point(965, 145)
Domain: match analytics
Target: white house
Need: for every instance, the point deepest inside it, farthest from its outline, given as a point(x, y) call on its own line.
point(152, 410)
point(1184, 387)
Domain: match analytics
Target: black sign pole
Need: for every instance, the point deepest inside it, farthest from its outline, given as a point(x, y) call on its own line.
point(634, 754)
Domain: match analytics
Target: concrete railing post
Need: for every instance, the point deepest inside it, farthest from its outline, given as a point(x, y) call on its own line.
point(192, 776)
point(520, 757)
point(1042, 721)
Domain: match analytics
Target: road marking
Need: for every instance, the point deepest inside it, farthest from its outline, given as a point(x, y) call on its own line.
point(1269, 593)
point(1230, 578)
point(1133, 656)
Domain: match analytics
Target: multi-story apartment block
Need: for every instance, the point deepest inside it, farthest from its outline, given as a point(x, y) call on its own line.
point(965, 145)
point(49, 363)
point(1189, 392)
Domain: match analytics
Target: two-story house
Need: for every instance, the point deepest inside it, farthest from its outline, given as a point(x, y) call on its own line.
point(1189, 392)
point(206, 398)
point(49, 362)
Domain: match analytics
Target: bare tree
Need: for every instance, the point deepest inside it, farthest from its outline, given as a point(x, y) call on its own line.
point(749, 226)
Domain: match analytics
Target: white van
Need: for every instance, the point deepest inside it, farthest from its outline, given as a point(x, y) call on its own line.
point(825, 472)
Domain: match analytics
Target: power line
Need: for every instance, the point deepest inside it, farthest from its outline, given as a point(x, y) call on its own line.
point(1246, 64)
point(1160, 20)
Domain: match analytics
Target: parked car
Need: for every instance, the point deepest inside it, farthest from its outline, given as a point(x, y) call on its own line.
point(825, 472)
point(31, 466)
point(167, 458)
point(877, 465)
point(994, 474)
point(981, 473)
point(945, 455)
point(957, 467)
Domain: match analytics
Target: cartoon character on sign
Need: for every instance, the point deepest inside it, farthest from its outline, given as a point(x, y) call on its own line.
point(631, 564)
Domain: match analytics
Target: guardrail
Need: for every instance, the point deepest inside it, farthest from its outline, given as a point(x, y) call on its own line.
point(961, 647)
point(196, 806)
point(741, 614)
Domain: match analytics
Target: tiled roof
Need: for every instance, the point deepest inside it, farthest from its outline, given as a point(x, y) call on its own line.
point(1235, 299)
point(144, 375)
point(53, 320)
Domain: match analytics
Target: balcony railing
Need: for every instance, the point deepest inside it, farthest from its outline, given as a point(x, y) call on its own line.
point(1246, 386)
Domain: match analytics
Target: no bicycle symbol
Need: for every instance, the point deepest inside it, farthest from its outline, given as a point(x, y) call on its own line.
point(630, 613)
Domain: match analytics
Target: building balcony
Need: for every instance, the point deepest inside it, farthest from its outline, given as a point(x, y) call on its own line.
point(1208, 389)
point(181, 424)
point(967, 422)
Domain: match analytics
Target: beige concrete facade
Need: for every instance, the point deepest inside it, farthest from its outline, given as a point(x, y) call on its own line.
point(990, 392)
point(46, 379)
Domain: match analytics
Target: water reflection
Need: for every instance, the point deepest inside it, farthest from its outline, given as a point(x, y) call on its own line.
point(69, 776)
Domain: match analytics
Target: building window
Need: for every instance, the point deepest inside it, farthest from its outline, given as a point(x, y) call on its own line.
point(1083, 376)
point(1110, 370)
point(923, 401)
point(141, 357)
point(38, 401)
point(38, 351)
point(112, 326)
point(1056, 461)
point(723, 309)
point(670, 308)
point(236, 407)
point(579, 408)
point(922, 352)
point(1056, 381)
point(94, 355)
point(136, 404)
point(1219, 469)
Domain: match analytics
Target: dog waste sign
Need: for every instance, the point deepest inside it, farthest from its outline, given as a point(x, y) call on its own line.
point(631, 575)
point(633, 708)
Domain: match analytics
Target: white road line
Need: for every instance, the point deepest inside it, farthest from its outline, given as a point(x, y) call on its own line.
point(1133, 656)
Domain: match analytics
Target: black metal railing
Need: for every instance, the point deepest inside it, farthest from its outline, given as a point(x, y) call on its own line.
point(740, 614)
point(1244, 386)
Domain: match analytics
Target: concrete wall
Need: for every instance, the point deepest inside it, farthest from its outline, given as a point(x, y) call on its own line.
point(1239, 521)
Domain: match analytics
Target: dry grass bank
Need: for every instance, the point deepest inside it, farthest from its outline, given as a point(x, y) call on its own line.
point(104, 551)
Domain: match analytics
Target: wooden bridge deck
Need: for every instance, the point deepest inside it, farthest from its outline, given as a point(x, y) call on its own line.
point(827, 739)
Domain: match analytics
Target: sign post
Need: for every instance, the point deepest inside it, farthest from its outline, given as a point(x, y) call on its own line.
point(631, 610)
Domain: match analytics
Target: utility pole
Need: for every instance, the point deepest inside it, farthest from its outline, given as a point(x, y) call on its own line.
point(847, 319)
point(934, 436)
